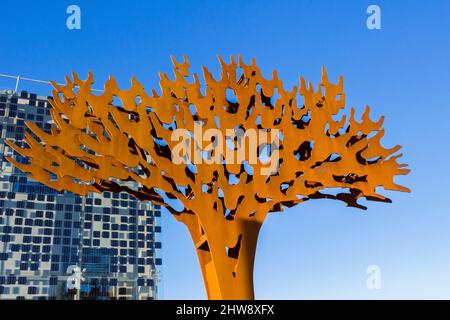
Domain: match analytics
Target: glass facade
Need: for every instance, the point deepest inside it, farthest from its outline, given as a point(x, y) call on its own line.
point(44, 234)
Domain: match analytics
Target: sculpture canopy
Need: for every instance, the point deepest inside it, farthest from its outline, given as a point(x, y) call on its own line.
point(98, 145)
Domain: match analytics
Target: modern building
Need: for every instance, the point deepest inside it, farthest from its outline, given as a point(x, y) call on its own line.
point(48, 239)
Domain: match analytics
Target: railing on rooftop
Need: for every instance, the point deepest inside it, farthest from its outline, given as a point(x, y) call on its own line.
point(20, 78)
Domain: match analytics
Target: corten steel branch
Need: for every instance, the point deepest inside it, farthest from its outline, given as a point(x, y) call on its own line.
point(95, 145)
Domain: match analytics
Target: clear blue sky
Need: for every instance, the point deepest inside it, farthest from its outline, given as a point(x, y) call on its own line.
point(320, 249)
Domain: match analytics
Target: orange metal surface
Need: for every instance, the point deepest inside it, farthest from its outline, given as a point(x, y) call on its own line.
point(97, 145)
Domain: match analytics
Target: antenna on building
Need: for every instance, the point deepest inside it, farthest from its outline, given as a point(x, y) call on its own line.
point(17, 84)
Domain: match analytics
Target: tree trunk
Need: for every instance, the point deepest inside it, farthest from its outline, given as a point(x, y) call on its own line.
point(228, 271)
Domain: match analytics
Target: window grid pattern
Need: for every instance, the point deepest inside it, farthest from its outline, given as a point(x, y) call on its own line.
point(111, 237)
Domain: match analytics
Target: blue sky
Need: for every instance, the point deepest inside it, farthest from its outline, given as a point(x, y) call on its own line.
point(319, 249)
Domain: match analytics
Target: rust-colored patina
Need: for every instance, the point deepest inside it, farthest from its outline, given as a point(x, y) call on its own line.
point(97, 145)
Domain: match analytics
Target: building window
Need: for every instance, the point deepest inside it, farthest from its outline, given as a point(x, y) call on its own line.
point(3, 256)
point(32, 290)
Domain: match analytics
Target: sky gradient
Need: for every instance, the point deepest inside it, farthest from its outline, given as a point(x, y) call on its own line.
point(319, 249)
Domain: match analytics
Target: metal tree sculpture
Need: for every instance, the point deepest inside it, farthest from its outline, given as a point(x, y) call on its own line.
point(97, 145)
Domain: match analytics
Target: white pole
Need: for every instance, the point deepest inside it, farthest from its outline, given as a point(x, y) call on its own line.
point(17, 84)
point(18, 78)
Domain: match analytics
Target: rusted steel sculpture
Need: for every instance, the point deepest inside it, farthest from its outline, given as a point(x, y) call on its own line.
point(97, 145)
